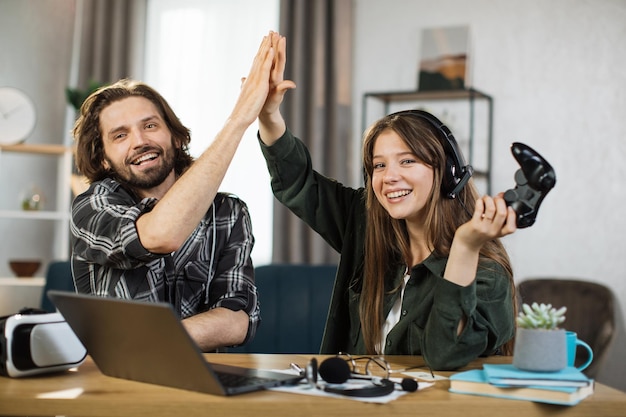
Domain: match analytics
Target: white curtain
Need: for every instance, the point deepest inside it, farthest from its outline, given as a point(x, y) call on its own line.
point(196, 53)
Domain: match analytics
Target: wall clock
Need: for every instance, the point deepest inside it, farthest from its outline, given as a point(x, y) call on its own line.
point(17, 116)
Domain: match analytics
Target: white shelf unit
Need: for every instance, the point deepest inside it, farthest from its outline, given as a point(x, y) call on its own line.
point(61, 213)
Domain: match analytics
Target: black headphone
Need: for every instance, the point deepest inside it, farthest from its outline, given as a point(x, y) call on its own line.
point(337, 371)
point(456, 173)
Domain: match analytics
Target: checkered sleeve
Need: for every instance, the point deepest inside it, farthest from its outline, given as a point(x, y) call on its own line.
point(233, 285)
point(103, 227)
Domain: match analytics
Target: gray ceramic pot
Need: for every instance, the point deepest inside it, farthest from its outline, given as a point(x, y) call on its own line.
point(540, 350)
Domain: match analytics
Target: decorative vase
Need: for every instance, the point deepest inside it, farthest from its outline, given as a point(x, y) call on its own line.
point(32, 199)
point(540, 350)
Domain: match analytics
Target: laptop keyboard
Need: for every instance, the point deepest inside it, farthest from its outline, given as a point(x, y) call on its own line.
point(232, 380)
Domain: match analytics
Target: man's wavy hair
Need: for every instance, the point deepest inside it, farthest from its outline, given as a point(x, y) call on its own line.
point(88, 136)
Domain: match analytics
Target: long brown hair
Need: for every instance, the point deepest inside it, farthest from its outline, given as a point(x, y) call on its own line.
point(88, 137)
point(387, 240)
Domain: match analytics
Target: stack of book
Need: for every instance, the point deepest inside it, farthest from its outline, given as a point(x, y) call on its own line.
point(566, 387)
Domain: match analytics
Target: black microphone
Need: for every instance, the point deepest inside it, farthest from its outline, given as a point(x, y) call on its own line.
point(337, 371)
point(409, 384)
point(334, 370)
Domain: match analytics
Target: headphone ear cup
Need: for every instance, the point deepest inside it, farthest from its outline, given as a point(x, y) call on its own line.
point(386, 387)
point(449, 180)
point(454, 178)
point(311, 371)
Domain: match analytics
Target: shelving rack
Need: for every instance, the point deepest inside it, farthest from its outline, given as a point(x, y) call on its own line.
point(59, 214)
point(471, 95)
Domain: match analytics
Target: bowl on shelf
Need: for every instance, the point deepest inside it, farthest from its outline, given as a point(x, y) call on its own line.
point(24, 268)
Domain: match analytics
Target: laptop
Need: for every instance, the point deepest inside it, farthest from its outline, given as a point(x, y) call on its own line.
point(146, 342)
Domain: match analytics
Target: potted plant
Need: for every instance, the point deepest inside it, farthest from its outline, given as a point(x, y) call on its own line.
point(76, 96)
point(540, 345)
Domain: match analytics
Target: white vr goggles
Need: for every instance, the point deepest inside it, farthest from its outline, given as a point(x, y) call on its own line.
point(33, 344)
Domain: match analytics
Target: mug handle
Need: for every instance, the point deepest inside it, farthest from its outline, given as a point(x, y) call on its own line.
point(589, 351)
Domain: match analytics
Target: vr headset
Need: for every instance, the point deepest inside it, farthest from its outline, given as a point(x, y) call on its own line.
point(35, 342)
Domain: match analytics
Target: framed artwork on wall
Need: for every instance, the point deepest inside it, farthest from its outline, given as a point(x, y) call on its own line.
point(444, 59)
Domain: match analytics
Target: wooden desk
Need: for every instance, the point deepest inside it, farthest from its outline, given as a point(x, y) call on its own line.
point(95, 394)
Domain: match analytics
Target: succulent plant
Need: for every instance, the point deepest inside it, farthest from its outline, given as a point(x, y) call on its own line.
point(540, 316)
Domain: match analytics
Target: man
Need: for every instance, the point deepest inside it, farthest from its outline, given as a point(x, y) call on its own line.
point(152, 225)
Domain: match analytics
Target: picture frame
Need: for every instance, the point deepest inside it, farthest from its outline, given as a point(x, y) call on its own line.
point(444, 59)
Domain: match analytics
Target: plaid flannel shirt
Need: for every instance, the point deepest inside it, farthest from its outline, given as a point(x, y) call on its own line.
point(211, 269)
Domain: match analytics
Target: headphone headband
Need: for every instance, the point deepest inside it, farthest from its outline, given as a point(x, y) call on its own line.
point(337, 371)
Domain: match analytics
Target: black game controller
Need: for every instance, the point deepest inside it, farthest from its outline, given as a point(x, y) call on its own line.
point(534, 180)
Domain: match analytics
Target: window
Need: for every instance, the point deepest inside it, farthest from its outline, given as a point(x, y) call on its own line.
point(196, 53)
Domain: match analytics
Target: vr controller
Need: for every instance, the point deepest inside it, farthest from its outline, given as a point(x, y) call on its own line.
point(534, 180)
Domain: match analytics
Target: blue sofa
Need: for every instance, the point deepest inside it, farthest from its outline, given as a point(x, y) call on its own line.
point(294, 304)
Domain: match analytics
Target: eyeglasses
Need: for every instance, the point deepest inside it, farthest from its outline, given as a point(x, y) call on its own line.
point(375, 366)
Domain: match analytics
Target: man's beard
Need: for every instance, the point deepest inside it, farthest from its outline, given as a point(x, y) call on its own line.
point(147, 179)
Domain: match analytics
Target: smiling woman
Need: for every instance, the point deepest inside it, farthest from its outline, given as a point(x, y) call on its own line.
point(199, 74)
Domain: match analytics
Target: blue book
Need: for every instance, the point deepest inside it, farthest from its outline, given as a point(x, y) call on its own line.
point(475, 382)
point(509, 375)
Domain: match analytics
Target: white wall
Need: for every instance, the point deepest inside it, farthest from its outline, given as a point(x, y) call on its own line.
point(556, 72)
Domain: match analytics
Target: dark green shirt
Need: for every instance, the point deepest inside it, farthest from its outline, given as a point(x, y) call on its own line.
point(432, 306)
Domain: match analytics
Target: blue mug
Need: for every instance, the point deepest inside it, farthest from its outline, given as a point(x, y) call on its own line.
point(573, 342)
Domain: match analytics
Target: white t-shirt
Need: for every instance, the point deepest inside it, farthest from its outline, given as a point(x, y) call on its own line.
point(393, 317)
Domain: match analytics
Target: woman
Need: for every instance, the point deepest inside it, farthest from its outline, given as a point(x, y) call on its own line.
point(419, 273)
